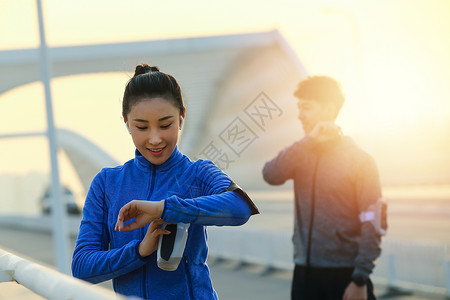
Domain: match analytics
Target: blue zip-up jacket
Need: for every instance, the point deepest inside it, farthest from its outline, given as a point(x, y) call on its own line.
point(194, 192)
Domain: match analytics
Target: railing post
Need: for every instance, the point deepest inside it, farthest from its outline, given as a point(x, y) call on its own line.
point(393, 289)
point(447, 276)
point(60, 229)
point(392, 276)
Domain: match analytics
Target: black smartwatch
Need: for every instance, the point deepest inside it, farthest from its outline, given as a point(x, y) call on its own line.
point(359, 280)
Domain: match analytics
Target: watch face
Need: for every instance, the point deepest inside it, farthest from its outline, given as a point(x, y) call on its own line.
point(359, 281)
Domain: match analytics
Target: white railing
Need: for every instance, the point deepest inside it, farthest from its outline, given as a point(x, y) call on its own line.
point(47, 282)
point(423, 267)
point(404, 265)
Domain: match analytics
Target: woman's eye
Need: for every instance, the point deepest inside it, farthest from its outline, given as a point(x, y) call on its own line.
point(141, 128)
point(166, 126)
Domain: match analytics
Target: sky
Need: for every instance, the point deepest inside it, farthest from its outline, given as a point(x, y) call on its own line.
point(391, 58)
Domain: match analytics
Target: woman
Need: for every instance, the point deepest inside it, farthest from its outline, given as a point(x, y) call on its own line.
point(167, 187)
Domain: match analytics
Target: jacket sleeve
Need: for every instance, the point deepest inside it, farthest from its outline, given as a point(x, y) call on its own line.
point(282, 167)
point(368, 192)
point(215, 207)
point(92, 260)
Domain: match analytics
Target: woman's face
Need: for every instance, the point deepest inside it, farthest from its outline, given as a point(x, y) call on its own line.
point(154, 126)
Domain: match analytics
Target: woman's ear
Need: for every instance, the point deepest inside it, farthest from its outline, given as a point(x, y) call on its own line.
point(182, 117)
point(126, 124)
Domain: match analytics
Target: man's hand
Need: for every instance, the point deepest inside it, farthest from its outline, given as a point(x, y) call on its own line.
point(144, 212)
point(354, 292)
point(324, 131)
point(150, 242)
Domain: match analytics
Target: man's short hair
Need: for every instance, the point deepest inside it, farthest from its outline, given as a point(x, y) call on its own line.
point(322, 89)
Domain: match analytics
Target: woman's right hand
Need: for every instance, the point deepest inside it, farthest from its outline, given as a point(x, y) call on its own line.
point(143, 211)
point(150, 242)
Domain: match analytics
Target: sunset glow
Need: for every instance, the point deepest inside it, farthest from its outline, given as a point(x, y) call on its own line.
point(391, 58)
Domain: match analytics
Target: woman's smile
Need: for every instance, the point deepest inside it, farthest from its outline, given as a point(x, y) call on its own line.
point(157, 151)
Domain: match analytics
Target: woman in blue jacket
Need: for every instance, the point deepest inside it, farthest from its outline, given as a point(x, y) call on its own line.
point(167, 187)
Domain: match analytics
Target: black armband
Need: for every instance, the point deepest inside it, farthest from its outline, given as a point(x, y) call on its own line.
point(237, 189)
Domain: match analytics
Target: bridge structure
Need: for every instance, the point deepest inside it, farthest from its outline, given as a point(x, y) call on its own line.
point(237, 88)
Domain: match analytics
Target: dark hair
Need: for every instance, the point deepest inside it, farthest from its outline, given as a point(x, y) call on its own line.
point(149, 82)
point(322, 89)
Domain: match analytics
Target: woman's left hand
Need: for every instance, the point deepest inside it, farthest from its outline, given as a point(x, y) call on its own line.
point(144, 212)
point(150, 242)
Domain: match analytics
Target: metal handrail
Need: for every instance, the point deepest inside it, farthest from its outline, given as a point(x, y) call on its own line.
point(49, 283)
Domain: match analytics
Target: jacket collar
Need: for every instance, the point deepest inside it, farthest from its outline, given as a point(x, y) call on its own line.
point(142, 163)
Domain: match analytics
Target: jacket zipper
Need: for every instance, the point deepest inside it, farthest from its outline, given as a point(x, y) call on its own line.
point(152, 185)
point(311, 220)
point(188, 273)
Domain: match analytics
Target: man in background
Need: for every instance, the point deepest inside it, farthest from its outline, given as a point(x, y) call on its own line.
point(339, 215)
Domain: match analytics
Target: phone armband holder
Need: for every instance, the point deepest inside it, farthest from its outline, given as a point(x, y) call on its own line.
point(237, 189)
point(376, 214)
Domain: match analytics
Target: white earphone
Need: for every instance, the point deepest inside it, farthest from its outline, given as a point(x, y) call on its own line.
point(181, 123)
point(128, 128)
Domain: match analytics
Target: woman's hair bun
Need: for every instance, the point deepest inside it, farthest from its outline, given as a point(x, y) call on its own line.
point(153, 84)
point(144, 68)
